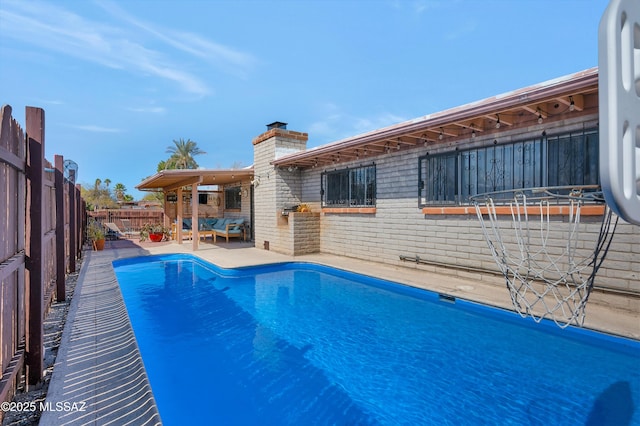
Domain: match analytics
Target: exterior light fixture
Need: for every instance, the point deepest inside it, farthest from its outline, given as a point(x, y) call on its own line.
point(539, 116)
point(498, 122)
point(473, 130)
point(441, 136)
point(572, 104)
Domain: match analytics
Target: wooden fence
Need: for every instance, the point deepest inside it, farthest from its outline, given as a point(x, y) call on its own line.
point(41, 228)
point(136, 217)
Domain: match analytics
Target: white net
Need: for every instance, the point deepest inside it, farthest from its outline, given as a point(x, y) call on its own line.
point(549, 244)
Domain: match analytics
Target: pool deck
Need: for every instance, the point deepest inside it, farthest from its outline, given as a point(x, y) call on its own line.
point(99, 367)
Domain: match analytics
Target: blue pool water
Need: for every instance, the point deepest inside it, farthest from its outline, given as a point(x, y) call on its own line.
point(302, 344)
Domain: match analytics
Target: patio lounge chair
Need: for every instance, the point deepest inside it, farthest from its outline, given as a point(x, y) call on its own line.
point(113, 232)
point(126, 224)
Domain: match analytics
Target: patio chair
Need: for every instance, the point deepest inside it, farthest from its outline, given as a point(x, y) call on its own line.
point(113, 232)
point(126, 224)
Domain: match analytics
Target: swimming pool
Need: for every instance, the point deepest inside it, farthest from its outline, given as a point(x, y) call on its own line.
point(298, 343)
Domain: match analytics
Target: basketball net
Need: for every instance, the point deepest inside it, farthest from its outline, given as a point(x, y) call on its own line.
point(549, 244)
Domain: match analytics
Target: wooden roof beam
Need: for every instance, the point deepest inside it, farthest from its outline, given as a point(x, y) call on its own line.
point(431, 135)
point(501, 118)
point(536, 109)
point(578, 102)
point(443, 131)
point(397, 143)
point(471, 125)
point(185, 182)
point(373, 148)
point(417, 138)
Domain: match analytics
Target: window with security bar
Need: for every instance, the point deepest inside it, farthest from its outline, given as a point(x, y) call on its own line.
point(353, 187)
point(452, 178)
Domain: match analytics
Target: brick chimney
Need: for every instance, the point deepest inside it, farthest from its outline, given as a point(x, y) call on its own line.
point(274, 188)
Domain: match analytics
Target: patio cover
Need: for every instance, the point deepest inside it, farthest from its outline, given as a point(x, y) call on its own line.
point(169, 180)
point(176, 180)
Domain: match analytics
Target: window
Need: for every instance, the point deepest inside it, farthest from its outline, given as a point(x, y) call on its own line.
point(451, 178)
point(354, 187)
point(573, 160)
point(232, 198)
point(202, 198)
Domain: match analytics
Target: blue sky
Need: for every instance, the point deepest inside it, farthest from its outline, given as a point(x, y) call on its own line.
point(119, 80)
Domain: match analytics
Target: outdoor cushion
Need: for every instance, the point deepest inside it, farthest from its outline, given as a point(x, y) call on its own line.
point(220, 224)
point(206, 224)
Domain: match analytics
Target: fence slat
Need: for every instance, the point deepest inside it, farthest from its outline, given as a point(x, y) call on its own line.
point(60, 253)
point(73, 233)
point(34, 121)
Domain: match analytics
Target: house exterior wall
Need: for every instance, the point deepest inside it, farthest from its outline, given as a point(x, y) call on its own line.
point(245, 206)
point(211, 209)
point(452, 244)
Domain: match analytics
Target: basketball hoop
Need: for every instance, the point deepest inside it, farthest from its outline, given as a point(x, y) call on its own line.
point(549, 244)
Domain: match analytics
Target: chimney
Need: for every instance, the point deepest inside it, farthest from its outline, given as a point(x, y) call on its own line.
point(277, 125)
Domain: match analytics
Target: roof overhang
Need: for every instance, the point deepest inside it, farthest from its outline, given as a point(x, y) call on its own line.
point(169, 180)
point(553, 100)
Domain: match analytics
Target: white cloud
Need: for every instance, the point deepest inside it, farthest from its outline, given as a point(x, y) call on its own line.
point(417, 6)
point(50, 27)
point(421, 6)
point(151, 110)
point(363, 125)
point(336, 125)
point(461, 30)
point(93, 128)
point(214, 53)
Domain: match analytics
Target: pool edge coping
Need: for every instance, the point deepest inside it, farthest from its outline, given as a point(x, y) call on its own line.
point(96, 409)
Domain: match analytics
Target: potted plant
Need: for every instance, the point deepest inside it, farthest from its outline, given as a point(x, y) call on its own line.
point(154, 232)
point(95, 233)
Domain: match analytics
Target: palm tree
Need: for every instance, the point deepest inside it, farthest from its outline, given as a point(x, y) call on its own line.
point(182, 154)
point(119, 191)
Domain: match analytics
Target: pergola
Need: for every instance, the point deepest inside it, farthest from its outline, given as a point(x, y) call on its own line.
point(176, 180)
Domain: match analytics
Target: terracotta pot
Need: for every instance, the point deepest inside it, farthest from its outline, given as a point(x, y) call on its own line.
point(156, 237)
point(98, 244)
